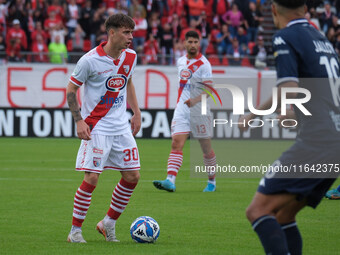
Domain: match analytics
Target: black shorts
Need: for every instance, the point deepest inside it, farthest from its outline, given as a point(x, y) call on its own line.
point(310, 170)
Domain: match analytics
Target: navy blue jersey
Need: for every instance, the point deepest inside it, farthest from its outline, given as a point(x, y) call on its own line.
point(304, 55)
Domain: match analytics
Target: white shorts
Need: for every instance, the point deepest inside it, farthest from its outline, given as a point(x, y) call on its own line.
point(103, 152)
point(183, 123)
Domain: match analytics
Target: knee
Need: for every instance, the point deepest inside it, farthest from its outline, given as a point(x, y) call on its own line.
point(254, 212)
point(91, 178)
point(176, 145)
point(132, 177)
point(250, 214)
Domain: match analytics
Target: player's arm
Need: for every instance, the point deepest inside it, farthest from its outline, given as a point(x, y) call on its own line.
point(193, 101)
point(83, 130)
point(243, 120)
point(132, 100)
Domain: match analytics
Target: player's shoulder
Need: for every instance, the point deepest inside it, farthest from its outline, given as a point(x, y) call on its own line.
point(182, 59)
point(205, 61)
point(130, 51)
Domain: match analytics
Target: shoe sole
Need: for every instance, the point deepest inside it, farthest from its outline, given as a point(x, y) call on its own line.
point(70, 241)
point(160, 187)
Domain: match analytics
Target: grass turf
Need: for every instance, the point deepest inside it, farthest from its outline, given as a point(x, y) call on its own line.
point(37, 186)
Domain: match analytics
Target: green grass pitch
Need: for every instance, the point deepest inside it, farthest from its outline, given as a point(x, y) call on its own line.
point(38, 183)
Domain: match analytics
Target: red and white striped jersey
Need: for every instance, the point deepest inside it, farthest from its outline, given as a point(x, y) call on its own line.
point(105, 81)
point(196, 69)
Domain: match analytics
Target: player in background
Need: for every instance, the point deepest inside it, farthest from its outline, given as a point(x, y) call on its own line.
point(333, 194)
point(191, 67)
point(107, 140)
point(301, 52)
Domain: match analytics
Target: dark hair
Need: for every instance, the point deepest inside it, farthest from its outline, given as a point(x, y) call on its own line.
point(119, 20)
point(291, 4)
point(193, 34)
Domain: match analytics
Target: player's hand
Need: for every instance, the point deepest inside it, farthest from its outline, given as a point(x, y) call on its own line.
point(243, 122)
point(191, 102)
point(136, 121)
point(290, 114)
point(83, 130)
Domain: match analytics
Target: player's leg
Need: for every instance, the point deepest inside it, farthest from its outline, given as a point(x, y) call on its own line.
point(89, 159)
point(209, 159)
point(174, 163)
point(287, 219)
point(333, 194)
point(82, 202)
point(261, 214)
point(124, 157)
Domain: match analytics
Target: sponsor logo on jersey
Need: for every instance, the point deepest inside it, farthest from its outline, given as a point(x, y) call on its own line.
point(116, 82)
point(97, 161)
point(106, 71)
point(279, 41)
point(185, 74)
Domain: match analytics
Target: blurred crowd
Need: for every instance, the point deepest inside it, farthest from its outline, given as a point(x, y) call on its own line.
point(59, 31)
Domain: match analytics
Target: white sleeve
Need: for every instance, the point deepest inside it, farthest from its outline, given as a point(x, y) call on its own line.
point(81, 72)
point(133, 67)
point(206, 71)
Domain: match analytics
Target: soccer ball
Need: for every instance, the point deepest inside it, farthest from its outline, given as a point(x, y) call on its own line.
point(144, 230)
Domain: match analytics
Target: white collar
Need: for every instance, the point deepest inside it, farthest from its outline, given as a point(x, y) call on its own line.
point(296, 21)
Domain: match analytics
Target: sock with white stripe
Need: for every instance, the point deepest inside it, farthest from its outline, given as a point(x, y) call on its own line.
point(294, 239)
point(174, 163)
point(272, 237)
point(210, 164)
point(82, 201)
point(120, 198)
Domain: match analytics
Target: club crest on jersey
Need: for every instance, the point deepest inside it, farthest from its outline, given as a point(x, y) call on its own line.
point(185, 74)
point(126, 68)
point(116, 82)
point(97, 161)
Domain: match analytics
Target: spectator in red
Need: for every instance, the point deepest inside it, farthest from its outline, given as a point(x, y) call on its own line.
point(233, 18)
point(38, 31)
point(140, 32)
point(13, 50)
point(57, 9)
point(151, 51)
point(40, 50)
point(196, 7)
point(222, 6)
point(176, 7)
point(192, 27)
point(51, 22)
point(16, 33)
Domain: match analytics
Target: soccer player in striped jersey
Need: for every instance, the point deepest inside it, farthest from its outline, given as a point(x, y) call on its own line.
point(193, 69)
point(102, 125)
